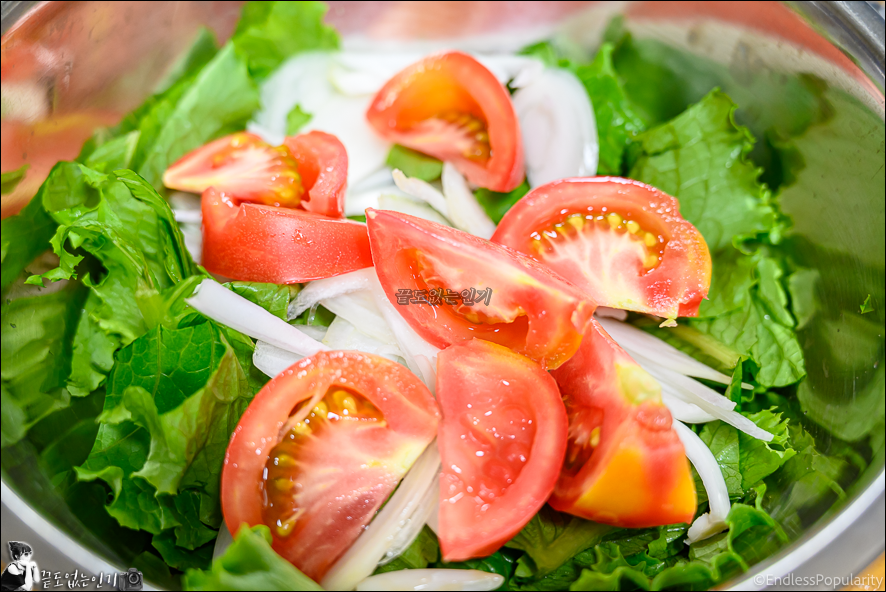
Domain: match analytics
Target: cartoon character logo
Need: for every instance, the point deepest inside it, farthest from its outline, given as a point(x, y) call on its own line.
point(22, 572)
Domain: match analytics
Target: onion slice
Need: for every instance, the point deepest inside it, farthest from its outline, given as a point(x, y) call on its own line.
point(558, 126)
point(464, 209)
point(403, 510)
point(683, 411)
point(703, 460)
point(433, 579)
point(222, 542)
point(360, 310)
point(216, 302)
point(272, 360)
point(343, 335)
point(423, 191)
point(406, 205)
point(328, 288)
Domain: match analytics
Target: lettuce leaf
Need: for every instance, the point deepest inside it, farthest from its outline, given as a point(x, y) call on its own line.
point(249, 564)
point(423, 551)
point(497, 204)
point(414, 164)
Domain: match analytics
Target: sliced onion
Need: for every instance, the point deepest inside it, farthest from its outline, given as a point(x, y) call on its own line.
point(188, 216)
point(343, 335)
point(683, 411)
point(193, 235)
point(433, 579)
point(360, 310)
point(604, 312)
point(402, 509)
point(224, 306)
point(356, 203)
point(429, 370)
point(423, 191)
point(558, 126)
point(434, 518)
point(222, 542)
point(703, 460)
point(272, 360)
point(517, 71)
point(327, 288)
point(635, 340)
point(407, 205)
point(377, 180)
point(464, 209)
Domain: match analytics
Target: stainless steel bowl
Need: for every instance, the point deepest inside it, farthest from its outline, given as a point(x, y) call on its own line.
point(97, 60)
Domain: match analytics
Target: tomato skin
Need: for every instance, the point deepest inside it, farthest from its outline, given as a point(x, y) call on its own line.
point(448, 83)
point(485, 389)
point(541, 315)
point(259, 243)
point(625, 464)
point(411, 417)
point(323, 166)
point(242, 165)
point(675, 286)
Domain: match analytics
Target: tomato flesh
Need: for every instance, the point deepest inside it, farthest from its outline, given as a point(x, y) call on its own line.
point(529, 309)
point(242, 165)
point(502, 441)
point(624, 464)
point(451, 107)
point(320, 448)
point(621, 241)
point(323, 166)
point(259, 243)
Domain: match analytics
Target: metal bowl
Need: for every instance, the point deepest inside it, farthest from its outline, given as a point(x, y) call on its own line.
point(71, 66)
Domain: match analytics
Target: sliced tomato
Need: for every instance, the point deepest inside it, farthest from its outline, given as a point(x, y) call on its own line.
point(320, 448)
point(530, 309)
point(624, 465)
point(451, 107)
point(502, 441)
point(620, 240)
point(259, 243)
point(323, 166)
point(242, 165)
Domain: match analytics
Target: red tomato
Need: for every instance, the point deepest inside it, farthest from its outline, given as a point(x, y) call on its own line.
point(530, 309)
point(502, 441)
point(323, 166)
point(320, 448)
point(259, 243)
point(450, 106)
point(621, 241)
point(625, 465)
point(242, 165)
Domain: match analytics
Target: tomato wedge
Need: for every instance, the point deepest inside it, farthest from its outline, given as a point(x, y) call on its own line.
point(243, 165)
point(620, 240)
point(323, 166)
point(624, 465)
point(475, 288)
point(451, 107)
point(259, 243)
point(502, 441)
point(320, 448)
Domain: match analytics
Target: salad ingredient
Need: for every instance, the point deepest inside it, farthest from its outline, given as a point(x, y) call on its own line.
point(323, 166)
point(260, 243)
point(502, 441)
point(451, 107)
point(559, 130)
point(232, 310)
point(249, 563)
point(433, 579)
point(329, 288)
point(352, 425)
point(621, 241)
point(414, 164)
point(625, 465)
point(360, 310)
point(242, 165)
point(407, 205)
point(397, 524)
point(683, 411)
point(423, 191)
point(272, 360)
point(464, 210)
point(342, 335)
point(701, 457)
point(527, 307)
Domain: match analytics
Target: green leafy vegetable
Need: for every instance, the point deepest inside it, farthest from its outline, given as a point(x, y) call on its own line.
point(26, 235)
point(10, 180)
point(273, 298)
point(722, 439)
point(270, 32)
point(866, 306)
point(249, 564)
point(414, 164)
point(802, 287)
point(423, 551)
point(759, 459)
point(296, 119)
point(497, 204)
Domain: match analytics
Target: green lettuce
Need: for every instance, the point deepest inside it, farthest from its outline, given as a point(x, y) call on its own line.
point(414, 164)
point(497, 204)
point(249, 564)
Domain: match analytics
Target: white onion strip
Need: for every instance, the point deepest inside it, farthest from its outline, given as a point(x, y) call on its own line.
point(402, 509)
point(407, 205)
point(360, 310)
point(423, 191)
point(328, 288)
point(433, 579)
point(218, 303)
point(703, 460)
point(272, 360)
point(464, 209)
point(683, 411)
point(635, 340)
point(222, 541)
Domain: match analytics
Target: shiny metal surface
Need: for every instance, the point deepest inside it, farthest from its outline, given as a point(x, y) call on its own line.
point(77, 65)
